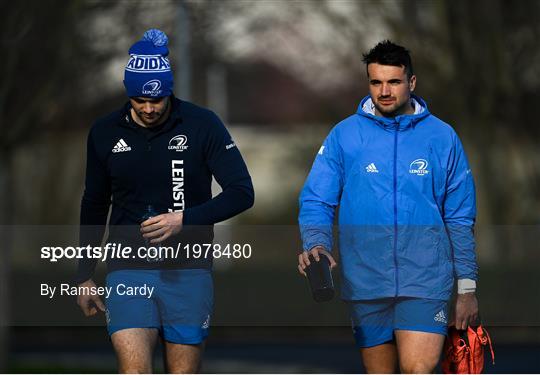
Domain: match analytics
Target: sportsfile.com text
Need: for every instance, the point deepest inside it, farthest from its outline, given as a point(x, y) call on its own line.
point(118, 251)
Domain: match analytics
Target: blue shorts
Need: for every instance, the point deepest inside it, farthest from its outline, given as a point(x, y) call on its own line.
point(179, 305)
point(375, 321)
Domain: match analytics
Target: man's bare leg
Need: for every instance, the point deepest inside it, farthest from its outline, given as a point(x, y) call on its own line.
point(380, 359)
point(419, 352)
point(134, 348)
point(182, 358)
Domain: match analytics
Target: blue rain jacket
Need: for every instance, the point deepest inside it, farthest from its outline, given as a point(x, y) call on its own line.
point(406, 201)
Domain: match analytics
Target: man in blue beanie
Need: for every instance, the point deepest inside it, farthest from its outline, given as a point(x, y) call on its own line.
point(152, 163)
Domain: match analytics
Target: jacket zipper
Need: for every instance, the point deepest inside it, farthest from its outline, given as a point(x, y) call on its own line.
point(395, 209)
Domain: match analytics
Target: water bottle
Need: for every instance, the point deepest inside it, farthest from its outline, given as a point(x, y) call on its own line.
point(149, 213)
point(320, 278)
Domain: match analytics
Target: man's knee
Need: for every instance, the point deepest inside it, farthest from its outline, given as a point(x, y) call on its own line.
point(131, 369)
point(184, 368)
point(380, 368)
point(380, 359)
point(417, 366)
point(182, 359)
point(134, 348)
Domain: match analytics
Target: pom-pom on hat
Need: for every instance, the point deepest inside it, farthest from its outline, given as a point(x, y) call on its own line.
point(148, 71)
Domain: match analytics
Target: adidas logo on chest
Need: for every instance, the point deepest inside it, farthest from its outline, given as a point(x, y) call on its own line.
point(121, 146)
point(371, 168)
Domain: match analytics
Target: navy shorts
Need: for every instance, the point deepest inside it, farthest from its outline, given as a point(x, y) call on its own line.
point(374, 321)
point(176, 302)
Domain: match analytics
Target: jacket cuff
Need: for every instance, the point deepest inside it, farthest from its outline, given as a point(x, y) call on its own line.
point(192, 216)
point(311, 244)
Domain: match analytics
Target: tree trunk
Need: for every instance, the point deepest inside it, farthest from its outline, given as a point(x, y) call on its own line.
point(5, 256)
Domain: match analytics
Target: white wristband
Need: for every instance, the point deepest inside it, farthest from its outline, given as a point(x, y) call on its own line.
point(466, 286)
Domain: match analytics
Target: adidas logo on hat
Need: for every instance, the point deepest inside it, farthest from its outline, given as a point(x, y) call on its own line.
point(121, 146)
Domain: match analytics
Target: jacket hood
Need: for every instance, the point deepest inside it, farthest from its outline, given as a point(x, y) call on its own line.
point(366, 109)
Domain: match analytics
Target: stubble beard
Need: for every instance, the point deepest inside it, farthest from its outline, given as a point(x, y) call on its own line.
point(150, 122)
point(395, 111)
point(156, 119)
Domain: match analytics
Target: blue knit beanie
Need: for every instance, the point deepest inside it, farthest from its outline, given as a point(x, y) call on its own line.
point(148, 71)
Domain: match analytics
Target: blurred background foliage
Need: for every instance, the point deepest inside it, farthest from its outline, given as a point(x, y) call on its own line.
point(288, 69)
point(280, 74)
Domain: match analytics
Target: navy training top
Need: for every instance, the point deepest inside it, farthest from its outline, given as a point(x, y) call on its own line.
point(170, 168)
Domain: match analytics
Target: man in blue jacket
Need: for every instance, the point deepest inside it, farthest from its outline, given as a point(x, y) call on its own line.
point(152, 162)
point(407, 209)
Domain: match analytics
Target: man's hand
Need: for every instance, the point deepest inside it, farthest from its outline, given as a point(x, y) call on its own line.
point(158, 228)
point(88, 303)
point(303, 258)
point(466, 310)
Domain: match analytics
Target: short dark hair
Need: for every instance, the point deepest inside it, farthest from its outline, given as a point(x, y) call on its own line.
point(388, 53)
